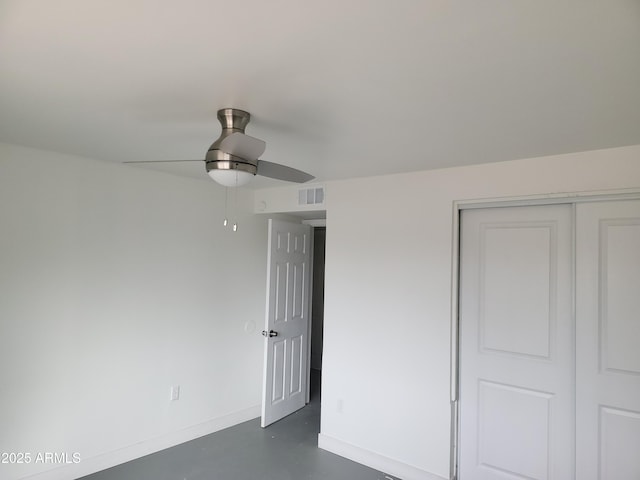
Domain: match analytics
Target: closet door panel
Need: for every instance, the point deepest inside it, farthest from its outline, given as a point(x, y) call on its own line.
point(516, 344)
point(608, 340)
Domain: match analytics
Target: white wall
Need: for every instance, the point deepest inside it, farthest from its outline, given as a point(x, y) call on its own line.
point(115, 284)
point(385, 392)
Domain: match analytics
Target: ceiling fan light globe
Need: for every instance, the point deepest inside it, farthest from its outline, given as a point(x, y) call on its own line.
point(230, 178)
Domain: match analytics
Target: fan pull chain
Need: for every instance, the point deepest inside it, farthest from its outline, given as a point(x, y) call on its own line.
point(235, 205)
point(226, 197)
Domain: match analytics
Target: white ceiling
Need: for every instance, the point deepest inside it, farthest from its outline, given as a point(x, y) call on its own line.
point(337, 88)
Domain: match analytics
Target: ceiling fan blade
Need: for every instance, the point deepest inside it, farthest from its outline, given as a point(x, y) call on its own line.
point(243, 146)
point(163, 161)
point(282, 172)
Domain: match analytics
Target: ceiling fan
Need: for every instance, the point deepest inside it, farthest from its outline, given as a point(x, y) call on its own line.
point(233, 159)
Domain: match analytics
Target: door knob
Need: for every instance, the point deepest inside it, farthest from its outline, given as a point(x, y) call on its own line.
point(270, 333)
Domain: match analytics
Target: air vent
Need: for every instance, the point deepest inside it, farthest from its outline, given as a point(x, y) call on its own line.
point(311, 196)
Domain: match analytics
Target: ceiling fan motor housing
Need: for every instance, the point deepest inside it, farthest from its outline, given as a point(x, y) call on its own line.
point(232, 121)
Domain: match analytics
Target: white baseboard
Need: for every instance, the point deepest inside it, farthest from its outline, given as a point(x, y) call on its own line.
point(116, 457)
point(374, 460)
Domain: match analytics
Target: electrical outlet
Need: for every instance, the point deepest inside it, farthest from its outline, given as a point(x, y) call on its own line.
point(175, 393)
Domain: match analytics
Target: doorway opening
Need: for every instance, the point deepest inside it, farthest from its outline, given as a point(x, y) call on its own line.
point(294, 315)
point(317, 313)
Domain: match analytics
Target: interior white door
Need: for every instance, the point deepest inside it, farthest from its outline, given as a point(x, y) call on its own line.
point(516, 344)
point(287, 320)
point(608, 340)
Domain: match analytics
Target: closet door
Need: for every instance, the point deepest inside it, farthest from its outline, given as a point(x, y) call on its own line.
point(516, 344)
point(608, 340)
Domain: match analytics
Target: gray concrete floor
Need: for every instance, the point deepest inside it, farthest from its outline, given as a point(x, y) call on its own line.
point(286, 450)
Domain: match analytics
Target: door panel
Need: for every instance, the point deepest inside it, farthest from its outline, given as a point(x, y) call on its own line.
point(287, 315)
point(280, 294)
point(524, 248)
point(296, 361)
point(620, 269)
point(516, 344)
point(298, 292)
point(278, 371)
point(521, 415)
point(619, 443)
point(607, 334)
